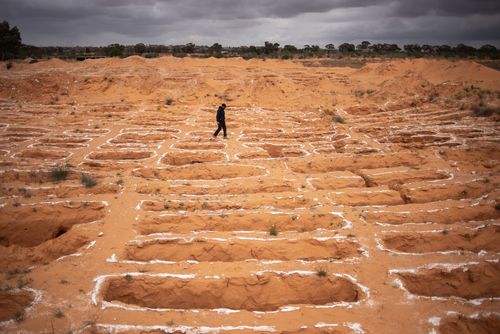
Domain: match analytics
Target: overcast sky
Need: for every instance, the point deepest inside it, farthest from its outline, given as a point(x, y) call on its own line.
point(251, 22)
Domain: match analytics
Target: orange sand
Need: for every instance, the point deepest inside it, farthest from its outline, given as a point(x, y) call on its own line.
point(297, 223)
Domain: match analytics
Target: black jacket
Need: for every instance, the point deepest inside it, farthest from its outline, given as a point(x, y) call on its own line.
point(221, 115)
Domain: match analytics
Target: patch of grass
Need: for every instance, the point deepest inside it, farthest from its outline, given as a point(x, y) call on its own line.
point(482, 110)
point(445, 231)
point(359, 93)
point(273, 230)
point(170, 323)
point(321, 272)
point(166, 206)
point(63, 281)
point(467, 236)
point(20, 317)
point(370, 91)
point(169, 101)
point(6, 288)
point(14, 272)
point(128, 277)
point(16, 204)
point(351, 236)
point(119, 182)
point(87, 180)
point(497, 206)
point(295, 217)
point(338, 119)
point(59, 314)
point(59, 173)
point(23, 282)
point(433, 96)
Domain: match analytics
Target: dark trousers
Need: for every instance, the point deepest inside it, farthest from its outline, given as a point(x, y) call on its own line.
point(222, 126)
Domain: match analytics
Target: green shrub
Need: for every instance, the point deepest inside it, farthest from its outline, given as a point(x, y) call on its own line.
point(482, 110)
point(58, 314)
point(338, 119)
point(273, 230)
point(59, 173)
point(321, 272)
point(88, 181)
point(359, 93)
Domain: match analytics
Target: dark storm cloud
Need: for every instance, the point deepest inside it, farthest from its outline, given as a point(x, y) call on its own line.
point(239, 22)
point(447, 7)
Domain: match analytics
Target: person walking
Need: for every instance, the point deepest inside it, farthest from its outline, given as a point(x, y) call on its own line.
point(221, 120)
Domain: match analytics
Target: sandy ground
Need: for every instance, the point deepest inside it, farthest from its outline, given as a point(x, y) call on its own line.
point(297, 223)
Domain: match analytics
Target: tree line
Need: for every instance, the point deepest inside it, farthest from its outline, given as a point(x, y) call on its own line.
point(11, 47)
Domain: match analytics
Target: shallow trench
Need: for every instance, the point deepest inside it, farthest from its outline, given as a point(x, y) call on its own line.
point(120, 155)
point(31, 225)
point(464, 325)
point(470, 282)
point(14, 303)
point(265, 292)
point(484, 239)
point(187, 158)
point(250, 221)
point(241, 249)
point(199, 172)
